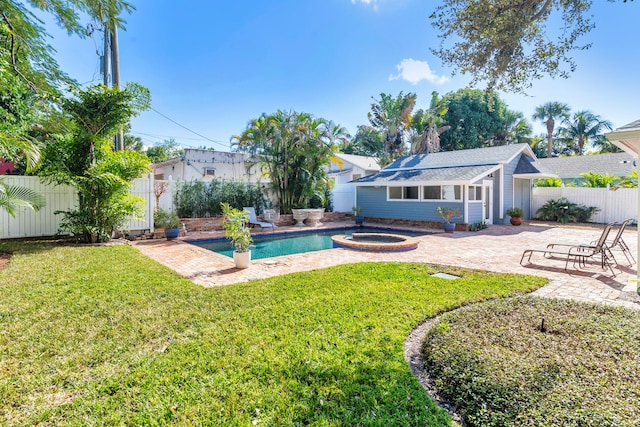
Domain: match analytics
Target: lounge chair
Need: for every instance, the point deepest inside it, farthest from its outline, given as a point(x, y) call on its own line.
point(619, 244)
point(253, 219)
point(580, 253)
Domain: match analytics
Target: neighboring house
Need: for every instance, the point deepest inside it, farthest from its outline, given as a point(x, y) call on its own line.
point(205, 165)
point(570, 169)
point(483, 183)
point(347, 168)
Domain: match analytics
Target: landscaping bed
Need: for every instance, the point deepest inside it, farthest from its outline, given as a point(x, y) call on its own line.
point(501, 365)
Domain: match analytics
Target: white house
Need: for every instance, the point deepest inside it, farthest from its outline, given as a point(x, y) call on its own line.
point(347, 168)
point(204, 165)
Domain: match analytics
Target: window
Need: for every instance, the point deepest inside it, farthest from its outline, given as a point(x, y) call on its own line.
point(403, 193)
point(356, 176)
point(209, 171)
point(475, 193)
point(442, 192)
point(159, 176)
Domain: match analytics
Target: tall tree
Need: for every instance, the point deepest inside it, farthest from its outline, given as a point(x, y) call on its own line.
point(473, 123)
point(294, 149)
point(548, 113)
point(427, 125)
point(164, 150)
point(583, 127)
point(392, 117)
point(86, 161)
point(516, 128)
point(508, 43)
point(366, 142)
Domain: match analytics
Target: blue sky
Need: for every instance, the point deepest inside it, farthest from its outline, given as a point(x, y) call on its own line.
point(212, 66)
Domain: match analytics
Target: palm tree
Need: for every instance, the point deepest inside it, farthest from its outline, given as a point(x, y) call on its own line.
point(548, 113)
point(583, 127)
point(13, 197)
point(294, 149)
point(392, 116)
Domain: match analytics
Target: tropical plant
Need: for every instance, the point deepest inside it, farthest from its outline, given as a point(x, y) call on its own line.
point(630, 180)
point(235, 226)
point(597, 180)
point(366, 142)
point(549, 182)
point(563, 211)
point(448, 214)
point(86, 161)
point(294, 150)
point(516, 129)
point(392, 117)
point(163, 218)
point(426, 126)
point(515, 212)
point(477, 226)
point(13, 197)
point(548, 113)
point(583, 127)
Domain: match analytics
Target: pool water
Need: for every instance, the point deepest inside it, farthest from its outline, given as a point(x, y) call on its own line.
point(268, 246)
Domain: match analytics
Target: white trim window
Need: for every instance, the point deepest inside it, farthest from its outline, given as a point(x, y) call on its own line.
point(442, 192)
point(403, 193)
point(210, 172)
point(475, 193)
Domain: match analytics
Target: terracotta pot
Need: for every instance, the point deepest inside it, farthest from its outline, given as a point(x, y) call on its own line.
point(516, 220)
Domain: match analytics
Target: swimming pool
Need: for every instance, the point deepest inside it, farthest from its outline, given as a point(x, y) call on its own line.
point(268, 246)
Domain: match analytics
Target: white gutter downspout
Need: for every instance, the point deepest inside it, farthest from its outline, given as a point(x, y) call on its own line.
point(501, 216)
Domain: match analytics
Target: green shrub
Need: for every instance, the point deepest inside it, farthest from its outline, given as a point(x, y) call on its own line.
point(549, 182)
point(501, 367)
point(563, 211)
point(198, 199)
point(165, 219)
point(597, 180)
point(477, 226)
point(515, 212)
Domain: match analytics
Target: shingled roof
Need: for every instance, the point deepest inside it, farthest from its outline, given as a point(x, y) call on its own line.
point(461, 166)
point(618, 164)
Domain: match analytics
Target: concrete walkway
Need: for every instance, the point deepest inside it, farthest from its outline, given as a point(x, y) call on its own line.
point(498, 248)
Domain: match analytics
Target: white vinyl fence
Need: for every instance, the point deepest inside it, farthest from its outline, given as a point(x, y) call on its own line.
point(616, 204)
point(62, 198)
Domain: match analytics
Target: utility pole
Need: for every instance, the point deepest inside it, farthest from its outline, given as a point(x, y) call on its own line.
point(115, 68)
point(106, 57)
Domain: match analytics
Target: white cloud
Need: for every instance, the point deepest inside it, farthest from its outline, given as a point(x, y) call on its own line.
point(415, 71)
point(367, 2)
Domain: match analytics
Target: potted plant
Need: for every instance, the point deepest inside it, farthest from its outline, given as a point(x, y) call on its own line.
point(447, 214)
point(169, 221)
point(357, 215)
point(516, 215)
point(235, 227)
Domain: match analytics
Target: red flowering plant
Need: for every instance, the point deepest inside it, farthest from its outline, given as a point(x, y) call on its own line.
point(447, 214)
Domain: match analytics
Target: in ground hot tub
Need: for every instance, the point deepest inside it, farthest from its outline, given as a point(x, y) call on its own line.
point(377, 242)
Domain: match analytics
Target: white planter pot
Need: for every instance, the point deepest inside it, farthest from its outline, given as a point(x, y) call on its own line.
point(242, 259)
point(314, 216)
point(299, 215)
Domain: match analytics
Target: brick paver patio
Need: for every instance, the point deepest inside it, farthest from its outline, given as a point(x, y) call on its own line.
point(497, 248)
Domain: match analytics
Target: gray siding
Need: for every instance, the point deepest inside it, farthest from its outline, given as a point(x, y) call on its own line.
point(522, 196)
point(475, 212)
point(373, 202)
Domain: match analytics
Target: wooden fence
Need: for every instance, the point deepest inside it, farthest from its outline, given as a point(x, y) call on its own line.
point(616, 204)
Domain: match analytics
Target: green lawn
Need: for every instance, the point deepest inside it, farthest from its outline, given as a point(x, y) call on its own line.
point(105, 336)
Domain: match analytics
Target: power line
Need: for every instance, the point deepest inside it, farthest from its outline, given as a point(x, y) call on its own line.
point(167, 136)
point(192, 131)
